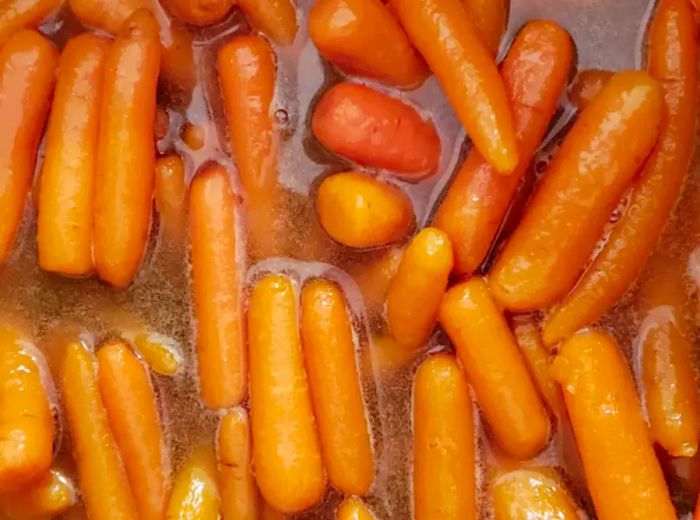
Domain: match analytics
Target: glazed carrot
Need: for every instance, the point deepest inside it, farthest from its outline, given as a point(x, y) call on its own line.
point(363, 38)
point(495, 369)
point(479, 197)
point(195, 495)
point(587, 85)
point(104, 484)
point(64, 222)
point(27, 67)
point(373, 129)
point(26, 421)
point(444, 486)
point(108, 15)
point(193, 136)
point(159, 352)
point(51, 497)
point(373, 277)
point(361, 211)
point(353, 509)
point(567, 214)
point(417, 289)
point(199, 12)
point(527, 494)
point(216, 272)
point(286, 451)
point(450, 42)
point(623, 474)
point(126, 156)
point(276, 18)
point(672, 60)
point(489, 17)
point(16, 15)
point(171, 194)
point(237, 488)
point(329, 353)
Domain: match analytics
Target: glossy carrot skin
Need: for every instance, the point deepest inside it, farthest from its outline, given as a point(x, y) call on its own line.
point(199, 12)
point(171, 194)
point(24, 14)
point(27, 74)
point(286, 450)
point(490, 17)
point(444, 486)
point(108, 15)
point(64, 222)
point(623, 474)
point(587, 85)
point(363, 38)
point(450, 42)
point(52, 496)
point(529, 494)
point(376, 130)
point(126, 155)
point(158, 352)
point(195, 495)
point(353, 509)
point(276, 18)
point(479, 197)
point(565, 218)
point(672, 59)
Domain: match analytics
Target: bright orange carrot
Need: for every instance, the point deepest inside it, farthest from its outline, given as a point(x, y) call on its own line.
point(195, 495)
point(171, 194)
point(50, 498)
point(193, 136)
point(495, 369)
point(672, 60)
point(199, 12)
point(528, 494)
point(566, 217)
point(623, 474)
point(108, 15)
point(353, 509)
point(450, 42)
point(16, 15)
point(27, 69)
point(276, 18)
point(160, 353)
point(444, 486)
point(286, 451)
point(587, 85)
point(373, 129)
point(490, 17)
point(329, 353)
point(479, 197)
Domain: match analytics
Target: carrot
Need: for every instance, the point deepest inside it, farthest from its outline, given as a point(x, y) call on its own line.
point(566, 217)
point(374, 276)
point(587, 85)
point(177, 66)
point(199, 12)
point(444, 486)
point(158, 352)
point(329, 353)
point(276, 18)
point(27, 67)
point(126, 155)
point(171, 194)
point(417, 289)
point(286, 450)
point(500, 379)
point(479, 197)
point(623, 474)
point(450, 42)
point(24, 14)
point(360, 211)
point(104, 483)
point(526, 494)
point(194, 136)
point(195, 495)
point(107, 15)
point(51, 497)
point(489, 17)
point(373, 129)
point(268, 513)
point(385, 356)
point(216, 274)
point(672, 60)
point(64, 222)
point(363, 38)
point(353, 509)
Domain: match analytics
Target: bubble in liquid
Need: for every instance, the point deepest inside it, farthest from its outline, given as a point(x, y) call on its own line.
point(281, 117)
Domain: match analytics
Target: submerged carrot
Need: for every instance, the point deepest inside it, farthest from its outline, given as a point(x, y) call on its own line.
point(16, 15)
point(52, 496)
point(587, 85)
point(373, 277)
point(195, 494)
point(159, 352)
point(108, 15)
point(177, 66)
point(199, 12)
point(353, 509)
point(490, 18)
point(276, 18)
point(171, 194)
point(527, 494)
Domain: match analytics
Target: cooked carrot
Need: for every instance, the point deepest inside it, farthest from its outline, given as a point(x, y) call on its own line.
point(623, 474)
point(565, 219)
point(587, 85)
point(363, 38)
point(495, 369)
point(417, 289)
point(286, 450)
point(52, 496)
point(104, 484)
point(444, 482)
point(490, 17)
point(216, 274)
point(360, 211)
point(26, 421)
point(159, 353)
point(199, 12)
point(64, 222)
point(177, 66)
point(108, 15)
point(450, 42)
point(195, 494)
point(534, 72)
point(373, 277)
point(329, 353)
point(673, 61)
point(385, 356)
point(276, 18)
point(237, 488)
point(193, 136)
point(353, 509)
point(373, 129)
point(171, 195)
point(27, 68)
point(126, 155)
point(24, 14)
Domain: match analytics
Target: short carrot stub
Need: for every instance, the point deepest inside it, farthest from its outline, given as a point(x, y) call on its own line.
point(490, 17)
point(195, 494)
point(199, 12)
point(525, 494)
point(275, 18)
point(171, 195)
point(24, 14)
point(353, 509)
point(52, 496)
point(587, 85)
point(159, 352)
point(108, 15)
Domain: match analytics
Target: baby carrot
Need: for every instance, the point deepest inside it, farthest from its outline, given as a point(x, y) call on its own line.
point(159, 352)
point(479, 197)
point(360, 211)
point(26, 421)
point(450, 42)
point(329, 353)
point(16, 15)
point(195, 495)
point(565, 218)
point(104, 483)
point(64, 222)
point(373, 129)
point(672, 60)
point(587, 85)
point(51, 497)
point(108, 15)
point(417, 289)
point(171, 194)
point(444, 486)
point(286, 450)
point(216, 272)
point(199, 12)
point(363, 38)
point(623, 474)
point(126, 155)
point(27, 69)
point(276, 18)
point(353, 509)
point(193, 136)
point(528, 494)
point(495, 369)
point(489, 17)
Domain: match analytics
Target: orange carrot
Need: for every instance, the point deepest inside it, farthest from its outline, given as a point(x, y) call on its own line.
point(353, 509)
point(171, 194)
point(199, 12)
point(177, 67)
point(193, 136)
point(276, 18)
point(587, 85)
point(195, 495)
point(108, 15)
point(158, 352)
point(50, 498)
point(16, 15)
point(373, 277)
point(490, 18)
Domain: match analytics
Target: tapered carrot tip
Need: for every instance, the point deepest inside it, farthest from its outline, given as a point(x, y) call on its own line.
point(353, 509)
point(49, 498)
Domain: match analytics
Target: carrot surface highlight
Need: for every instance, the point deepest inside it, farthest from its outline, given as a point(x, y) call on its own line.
point(52, 496)
point(531, 493)
point(195, 494)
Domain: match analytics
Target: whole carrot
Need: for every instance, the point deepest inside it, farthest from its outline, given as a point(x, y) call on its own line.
point(276, 18)
point(52, 496)
point(24, 14)
point(527, 494)
point(490, 18)
point(108, 15)
point(195, 495)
